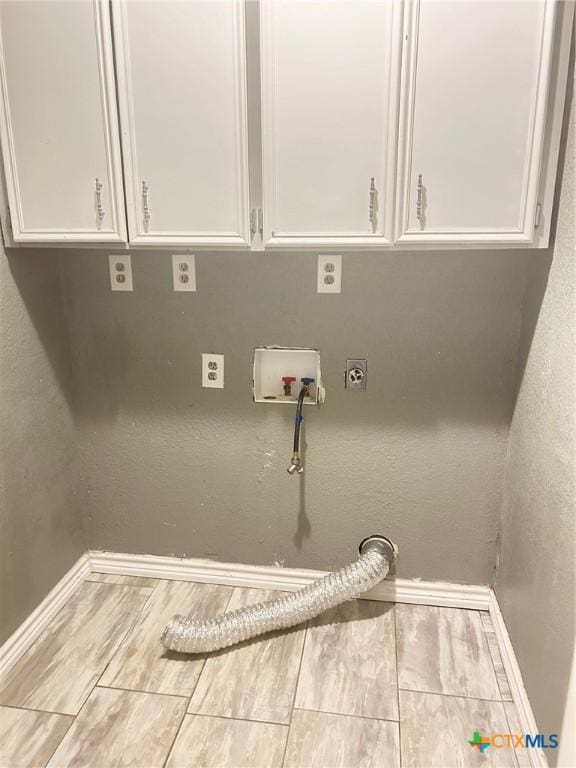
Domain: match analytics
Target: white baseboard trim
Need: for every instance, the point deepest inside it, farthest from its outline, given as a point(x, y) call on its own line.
point(285, 579)
point(521, 700)
point(30, 629)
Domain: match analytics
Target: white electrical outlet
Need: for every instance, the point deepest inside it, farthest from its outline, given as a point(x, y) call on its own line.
point(184, 272)
point(329, 274)
point(213, 371)
point(120, 272)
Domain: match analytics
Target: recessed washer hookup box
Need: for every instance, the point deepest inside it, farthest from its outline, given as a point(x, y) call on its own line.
point(278, 372)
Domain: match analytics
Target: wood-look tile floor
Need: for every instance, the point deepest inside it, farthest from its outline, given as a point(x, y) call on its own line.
point(366, 684)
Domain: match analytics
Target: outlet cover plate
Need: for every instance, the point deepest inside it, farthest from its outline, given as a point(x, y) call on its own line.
point(329, 274)
point(356, 375)
point(213, 371)
point(120, 272)
point(184, 272)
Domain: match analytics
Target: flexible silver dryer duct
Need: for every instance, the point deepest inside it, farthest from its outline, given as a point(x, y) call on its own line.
point(187, 635)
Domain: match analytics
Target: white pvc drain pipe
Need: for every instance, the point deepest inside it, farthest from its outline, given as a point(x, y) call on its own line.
point(187, 635)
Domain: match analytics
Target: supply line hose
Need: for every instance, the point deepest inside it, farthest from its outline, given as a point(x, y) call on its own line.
point(296, 461)
point(298, 419)
point(187, 635)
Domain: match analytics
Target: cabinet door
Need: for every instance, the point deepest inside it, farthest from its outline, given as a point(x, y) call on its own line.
point(58, 122)
point(474, 88)
point(329, 72)
point(182, 91)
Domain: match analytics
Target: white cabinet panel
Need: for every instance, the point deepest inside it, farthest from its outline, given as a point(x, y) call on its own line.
point(329, 72)
point(475, 79)
point(58, 122)
point(182, 91)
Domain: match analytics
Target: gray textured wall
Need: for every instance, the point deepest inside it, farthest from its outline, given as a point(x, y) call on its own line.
point(536, 574)
point(171, 468)
point(40, 521)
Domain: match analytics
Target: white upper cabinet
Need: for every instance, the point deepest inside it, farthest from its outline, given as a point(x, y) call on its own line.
point(58, 122)
point(341, 124)
point(182, 94)
point(474, 98)
point(329, 120)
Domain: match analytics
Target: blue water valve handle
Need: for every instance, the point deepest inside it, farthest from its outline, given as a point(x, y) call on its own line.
point(305, 380)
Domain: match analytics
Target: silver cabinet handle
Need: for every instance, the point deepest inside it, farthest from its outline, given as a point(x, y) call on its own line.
point(372, 205)
point(256, 223)
point(145, 206)
point(419, 188)
point(100, 212)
